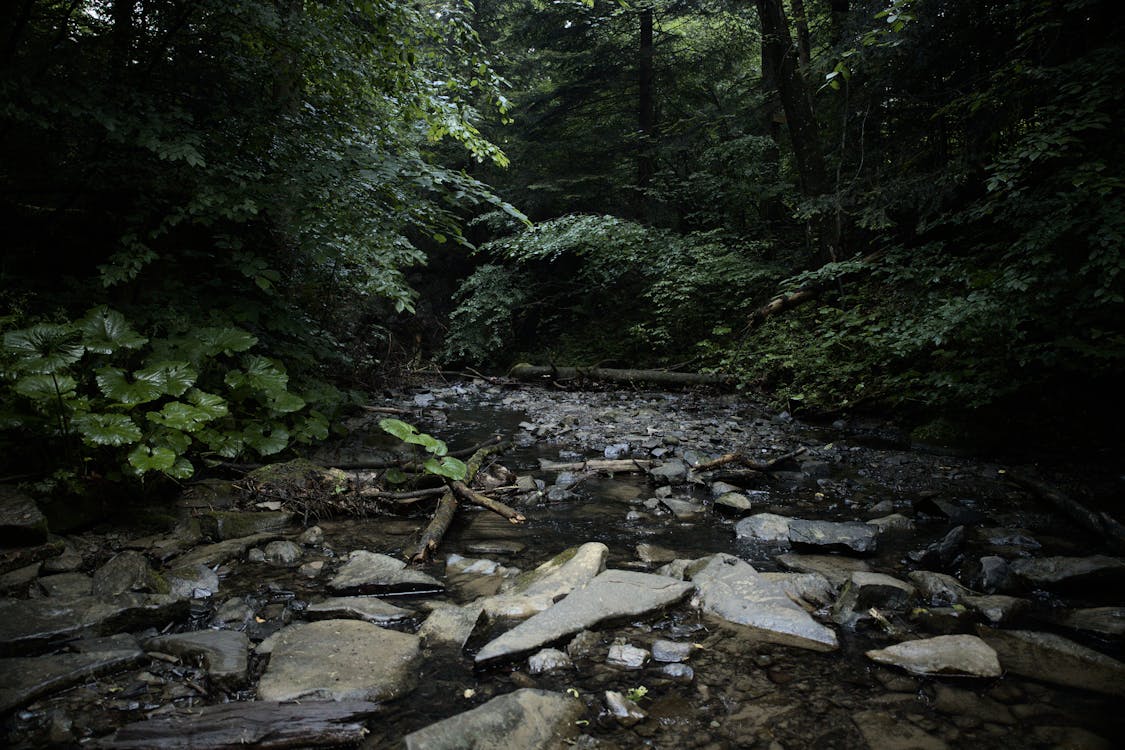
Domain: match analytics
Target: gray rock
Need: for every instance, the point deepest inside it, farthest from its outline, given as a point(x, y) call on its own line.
point(313, 536)
point(993, 575)
point(373, 573)
point(732, 590)
point(127, 572)
point(470, 566)
point(944, 553)
point(624, 710)
point(28, 678)
point(672, 471)
point(943, 655)
point(958, 702)
point(67, 585)
point(340, 660)
point(682, 509)
point(671, 651)
point(1054, 659)
point(223, 653)
point(615, 451)
point(495, 547)
point(234, 612)
point(882, 508)
point(939, 588)
point(891, 523)
point(870, 590)
point(68, 561)
point(997, 609)
point(565, 480)
point(584, 644)
point(218, 553)
point(733, 501)
point(651, 553)
point(311, 569)
point(256, 555)
point(367, 608)
point(561, 495)
point(847, 536)
point(548, 660)
point(764, 527)
point(22, 524)
point(536, 590)
point(450, 625)
point(838, 570)
point(282, 553)
point(28, 625)
point(626, 656)
point(192, 582)
point(811, 588)
point(678, 672)
point(883, 731)
point(613, 594)
point(719, 489)
point(1102, 620)
point(20, 581)
point(222, 525)
point(1059, 572)
point(527, 719)
point(1071, 738)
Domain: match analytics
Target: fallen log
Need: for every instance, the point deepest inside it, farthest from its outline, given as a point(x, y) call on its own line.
point(610, 466)
point(525, 371)
point(469, 495)
point(1100, 523)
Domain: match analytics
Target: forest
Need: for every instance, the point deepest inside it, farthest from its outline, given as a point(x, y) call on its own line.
point(225, 221)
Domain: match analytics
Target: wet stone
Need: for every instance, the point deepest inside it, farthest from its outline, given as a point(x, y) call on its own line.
point(1108, 621)
point(28, 678)
point(125, 572)
point(651, 553)
point(67, 584)
point(449, 624)
point(1054, 659)
point(939, 588)
point(1059, 572)
point(340, 660)
point(367, 608)
point(997, 609)
point(282, 553)
point(223, 652)
point(733, 502)
point(943, 554)
point(838, 570)
point(682, 509)
point(373, 573)
point(536, 590)
point(625, 656)
point(882, 731)
point(957, 702)
point(22, 524)
point(222, 525)
point(811, 588)
point(528, 719)
point(671, 651)
point(678, 672)
point(672, 471)
point(313, 536)
point(870, 590)
point(215, 554)
point(192, 581)
point(495, 547)
point(892, 523)
point(764, 527)
point(548, 660)
point(848, 536)
point(943, 655)
point(993, 575)
point(624, 710)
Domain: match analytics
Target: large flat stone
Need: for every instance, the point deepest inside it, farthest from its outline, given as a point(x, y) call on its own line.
point(1054, 659)
point(612, 595)
point(221, 525)
point(450, 625)
point(833, 536)
point(367, 608)
point(340, 660)
point(219, 552)
point(1103, 620)
point(537, 590)
point(223, 653)
point(764, 527)
point(838, 570)
point(1058, 572)
point(28, 678)
point(944, 655)
point(374, 573)
point(732, 590)
point(527, 719)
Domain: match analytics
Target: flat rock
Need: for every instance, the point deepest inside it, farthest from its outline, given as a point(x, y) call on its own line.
point(943, 655)
point(997, 609)
point(626, 656)
point(733, 501)
point(218, 553)
point(838, 570)
point(250, 724)
point(373, 573)
point(1102, 620)
point(957, 702)
point(282, 553)
point(527, 719)
point(612, 595)
point(223, 653)
point(764, 527)
point(682, 509)
point(651, 553)
point(939, 588)
point(870, 590)
point(623, 709)
point(367, 608)
point(672, 471)
point(450, 625)
point(883, 731)
point(537, 590)
point(671, 651)
point(221, 525)
point(126, 572)
point(548, 660)
point(22, 524)
point(892, 523)
point(1052, 658)
point(192, 581)
point(28, 678)
point(1058, 572)
point(340, 660)
point(732, 590)
point(833, 536)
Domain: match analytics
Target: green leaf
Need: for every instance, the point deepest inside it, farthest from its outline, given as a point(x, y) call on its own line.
point(172, 378)
point(446, 467)
point(180, 416)
point(114, 384)
point(145, 458)
point(44, 348)
point(175, 440)
point(107, 429)
point(215, 406)
point(287, 402)
point(395, 476)
point(399, 429)
point(105, 331)
point(182, 469)
point(226, 444)
point(224, 340)
point(266, 439)
point(260, 374)
point(42, 387)
point(432, 444)
point(313, 427)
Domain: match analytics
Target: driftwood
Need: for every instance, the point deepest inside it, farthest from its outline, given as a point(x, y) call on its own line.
point(742, 460)
point(406, 496)
point(447, 507)
point(384, 409)
point(610, 466)
point(1102, 524)
point(251, 724)
point(469, 495)
point(660, 377)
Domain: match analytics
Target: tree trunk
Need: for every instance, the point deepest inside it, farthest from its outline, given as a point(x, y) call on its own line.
point(804, 41)
point(778, 49)
point(646, 107)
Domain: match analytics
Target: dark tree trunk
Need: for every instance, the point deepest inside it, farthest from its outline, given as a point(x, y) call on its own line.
point(804, 41)
point(646, 114)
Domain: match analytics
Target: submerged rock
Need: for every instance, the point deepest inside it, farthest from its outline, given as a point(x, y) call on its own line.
point(613, 594)
point(624, 710)
point(1054, 659)
point(449, 624)
point(943, 655)
point(548, 660)
point(1102, 620)
point(367, 608)
point(997, 609)
point(373, 573)
point(732, 590)
point(671, 651)
point(282, 553)
point(939, 588)
point(340, 660)
point(883, 731)
point(626, 656)
point(527, 719)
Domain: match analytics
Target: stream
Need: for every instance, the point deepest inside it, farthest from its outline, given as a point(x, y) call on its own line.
point(1043, 594)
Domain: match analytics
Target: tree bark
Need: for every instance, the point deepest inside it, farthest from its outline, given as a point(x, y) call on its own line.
point(525, 371)
point(804, 41)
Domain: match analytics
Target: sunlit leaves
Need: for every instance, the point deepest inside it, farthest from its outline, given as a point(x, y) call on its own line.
point(447, 466)
point(107, 429)
point(105, 331)
point(44, 348)
point(115, 384)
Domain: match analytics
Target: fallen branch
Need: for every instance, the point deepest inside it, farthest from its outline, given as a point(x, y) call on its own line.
point(749, 463)
point(469, 495)
point(384, 409)
point(404, 496)
point(1101, 524)
point(662, 377)
point(610, 466)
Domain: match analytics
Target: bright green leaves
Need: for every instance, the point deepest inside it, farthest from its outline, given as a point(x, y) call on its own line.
point(46, 387)
point(115, 385)
point(260, 374)
point(266, 439)
point(215, 341)
point(44, 348)
point(146, 458)
point(439, 463)
point(107, 429)
point(105, 331)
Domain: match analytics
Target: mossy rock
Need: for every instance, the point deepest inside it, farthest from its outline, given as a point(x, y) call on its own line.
point(230, 524)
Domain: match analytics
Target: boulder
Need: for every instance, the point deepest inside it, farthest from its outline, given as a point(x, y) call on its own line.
point(282, 553)
point(367, 608)
point(548, 660)
point(941, 656)
point(812, 589)
point(223, 653)
point(1054, 659)
point(128, 572)
point(373, 573)
point(939, 588)
point(833, 536)
point(764, 527)
point(838, 570)
point(870, 590)
point(527, 719)
point(536, 590)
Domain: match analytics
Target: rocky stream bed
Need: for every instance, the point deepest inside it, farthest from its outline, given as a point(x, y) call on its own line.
point(863, 594)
